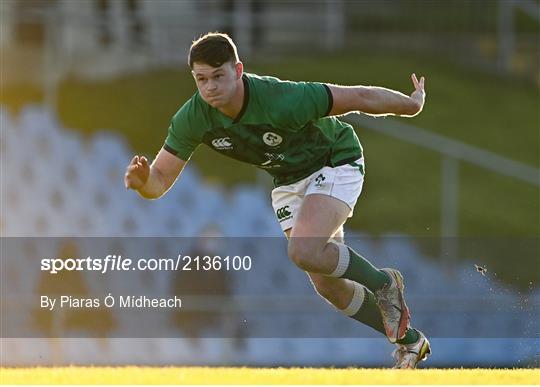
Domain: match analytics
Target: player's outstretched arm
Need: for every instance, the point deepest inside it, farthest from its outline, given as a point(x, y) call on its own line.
point(378, 101)
point(152, 181)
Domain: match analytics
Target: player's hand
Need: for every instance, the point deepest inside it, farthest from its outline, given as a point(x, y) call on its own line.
point(419, 93)
point(137, 173)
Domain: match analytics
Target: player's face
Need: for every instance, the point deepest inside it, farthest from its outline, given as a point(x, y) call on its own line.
point(217, 85)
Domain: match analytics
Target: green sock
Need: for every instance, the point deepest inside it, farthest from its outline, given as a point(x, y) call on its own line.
point(411, 336)
point(362, 271)
point(369, 314)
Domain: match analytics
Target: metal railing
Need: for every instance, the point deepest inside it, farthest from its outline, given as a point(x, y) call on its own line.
point(452, 152)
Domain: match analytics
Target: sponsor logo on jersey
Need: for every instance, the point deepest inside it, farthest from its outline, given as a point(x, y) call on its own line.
point(271, 158)
point(222, 143)
point(275, 156)
point(319, 180)
point(272, 139)
point(283, 213)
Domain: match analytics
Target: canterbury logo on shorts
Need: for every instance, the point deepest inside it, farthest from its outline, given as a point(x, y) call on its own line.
point(283, 213)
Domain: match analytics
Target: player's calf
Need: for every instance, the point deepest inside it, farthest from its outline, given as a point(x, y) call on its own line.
point(336, 291)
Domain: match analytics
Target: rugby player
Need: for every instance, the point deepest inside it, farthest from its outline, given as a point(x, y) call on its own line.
point(290, 130)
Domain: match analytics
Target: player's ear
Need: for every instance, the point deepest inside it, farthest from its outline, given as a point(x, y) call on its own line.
point(239, 67)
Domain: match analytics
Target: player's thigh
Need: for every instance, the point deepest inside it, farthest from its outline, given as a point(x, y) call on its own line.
point(320, 216)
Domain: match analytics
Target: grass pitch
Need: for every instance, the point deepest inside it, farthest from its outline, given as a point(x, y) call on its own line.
point(242, 375)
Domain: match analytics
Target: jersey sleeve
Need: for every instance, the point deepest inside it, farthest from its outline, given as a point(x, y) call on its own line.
point(181, 140)
point(307, 101)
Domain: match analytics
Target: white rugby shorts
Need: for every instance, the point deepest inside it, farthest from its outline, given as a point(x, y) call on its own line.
point(343, 182)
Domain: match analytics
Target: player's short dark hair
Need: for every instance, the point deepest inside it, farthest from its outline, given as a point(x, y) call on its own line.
point(214, 49)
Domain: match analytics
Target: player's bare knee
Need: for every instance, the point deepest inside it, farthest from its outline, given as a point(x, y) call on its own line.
point(304, 253)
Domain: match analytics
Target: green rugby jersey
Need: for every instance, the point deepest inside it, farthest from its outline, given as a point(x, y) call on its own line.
point(282, 128)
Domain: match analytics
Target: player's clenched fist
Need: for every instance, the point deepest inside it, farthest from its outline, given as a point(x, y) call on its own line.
point(137, 173)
